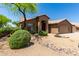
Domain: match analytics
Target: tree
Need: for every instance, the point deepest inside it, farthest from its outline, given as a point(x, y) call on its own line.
point(22, 8)
point(16, 23)
point(3, 20)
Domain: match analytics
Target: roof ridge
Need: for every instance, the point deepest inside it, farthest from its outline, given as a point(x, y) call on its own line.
point(56, 21)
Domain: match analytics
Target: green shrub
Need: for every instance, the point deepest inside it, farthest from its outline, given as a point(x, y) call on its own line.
point(19, 39)
point(15, 29)
point(1, 32)
point(32, 32)
point(5, 31)
point(8, 29)
point(43, 33)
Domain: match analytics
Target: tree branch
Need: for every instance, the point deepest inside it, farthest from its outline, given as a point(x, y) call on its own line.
point(23, 12)
point(18, 7)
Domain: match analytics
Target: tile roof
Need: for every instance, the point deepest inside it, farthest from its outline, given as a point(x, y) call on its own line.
point(56, 21)
point(22, 18)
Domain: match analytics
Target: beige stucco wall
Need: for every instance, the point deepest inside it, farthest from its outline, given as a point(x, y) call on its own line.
point(77, 29)
point(65, 27)
point(74, 29)
point(43, 18)
point(53, 28)
point(39, 26)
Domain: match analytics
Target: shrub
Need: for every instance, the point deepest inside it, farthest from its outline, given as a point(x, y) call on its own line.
point(43, 33)
point(32, 32)
point(15, 29)
point(5, 31)
point(1, 32)
point(19, 39)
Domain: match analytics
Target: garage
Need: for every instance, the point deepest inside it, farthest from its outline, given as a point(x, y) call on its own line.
point(61, 26)
point(64, 29)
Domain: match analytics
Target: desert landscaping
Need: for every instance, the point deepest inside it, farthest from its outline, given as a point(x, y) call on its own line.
point(27, 34)
point(65, 45)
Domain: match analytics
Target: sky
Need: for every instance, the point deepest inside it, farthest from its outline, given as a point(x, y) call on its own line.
point(53, 10)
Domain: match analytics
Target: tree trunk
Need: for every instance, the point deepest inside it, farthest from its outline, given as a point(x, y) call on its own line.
point(24, 23)
point(23, 12)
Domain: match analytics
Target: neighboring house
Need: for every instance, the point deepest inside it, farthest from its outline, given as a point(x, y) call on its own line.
point(43, 23)
point(76, 26)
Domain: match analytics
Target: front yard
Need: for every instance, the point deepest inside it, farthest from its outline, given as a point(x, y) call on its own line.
point(49, 45)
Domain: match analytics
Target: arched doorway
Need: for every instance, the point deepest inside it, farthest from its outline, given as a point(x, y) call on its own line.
point(43, 25)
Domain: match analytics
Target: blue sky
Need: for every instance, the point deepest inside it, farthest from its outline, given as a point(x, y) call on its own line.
point(53, 10)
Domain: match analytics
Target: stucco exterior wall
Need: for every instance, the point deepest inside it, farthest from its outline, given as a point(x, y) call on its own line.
point(77, 29)
point(42, 18)
point(74, 28)
point(65, 27)
point(53, 28)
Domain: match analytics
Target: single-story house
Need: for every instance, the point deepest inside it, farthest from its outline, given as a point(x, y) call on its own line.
point(44, 23)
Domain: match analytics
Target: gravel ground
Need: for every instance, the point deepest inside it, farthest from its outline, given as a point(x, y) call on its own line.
point(66, 45)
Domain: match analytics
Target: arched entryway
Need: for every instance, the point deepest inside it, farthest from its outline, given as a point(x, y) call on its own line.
point(43, 27)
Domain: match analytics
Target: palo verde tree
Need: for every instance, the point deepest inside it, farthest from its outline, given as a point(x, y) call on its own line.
point(22, 8)
point(3, 20)
point(16, 23)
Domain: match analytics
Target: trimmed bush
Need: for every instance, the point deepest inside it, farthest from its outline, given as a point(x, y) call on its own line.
point(19, 39)
point(43, 33)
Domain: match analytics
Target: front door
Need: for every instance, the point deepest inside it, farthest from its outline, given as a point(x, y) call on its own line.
point(43, 25)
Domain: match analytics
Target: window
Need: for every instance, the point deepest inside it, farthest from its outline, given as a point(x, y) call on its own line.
point(29, 24)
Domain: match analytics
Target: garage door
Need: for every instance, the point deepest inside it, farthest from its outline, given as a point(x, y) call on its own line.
point(64, 29)
point(54, 30)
